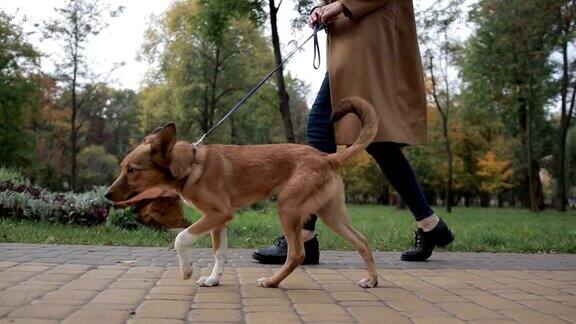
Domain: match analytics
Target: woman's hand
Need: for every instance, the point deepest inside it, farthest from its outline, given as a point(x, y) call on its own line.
point(325, 14)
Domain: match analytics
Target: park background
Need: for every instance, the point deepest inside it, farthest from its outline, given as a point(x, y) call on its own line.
point(500, 79)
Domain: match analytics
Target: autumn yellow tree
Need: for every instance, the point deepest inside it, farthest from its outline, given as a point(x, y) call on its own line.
point(495, 174)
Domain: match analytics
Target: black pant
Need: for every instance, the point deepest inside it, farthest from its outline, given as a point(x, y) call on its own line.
point(388, 155)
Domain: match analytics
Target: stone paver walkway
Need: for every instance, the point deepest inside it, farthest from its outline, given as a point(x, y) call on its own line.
point(92, 284)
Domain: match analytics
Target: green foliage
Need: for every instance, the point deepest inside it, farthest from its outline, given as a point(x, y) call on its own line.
point(364, 180)
point(204, 65)
point(24, 201)
point(123, 218)
point(16, 176)
point(96, 166)
point(18, 92)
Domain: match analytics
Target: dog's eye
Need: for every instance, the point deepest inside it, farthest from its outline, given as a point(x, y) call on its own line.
point(130, 170)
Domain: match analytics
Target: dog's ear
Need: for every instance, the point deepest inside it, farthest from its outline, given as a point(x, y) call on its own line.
point(161, 143)
point(148, 138)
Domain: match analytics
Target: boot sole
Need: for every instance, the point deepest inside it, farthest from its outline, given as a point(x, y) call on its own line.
point(308, 260)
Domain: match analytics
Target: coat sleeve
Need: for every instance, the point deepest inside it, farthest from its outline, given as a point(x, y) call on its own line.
point(355, 9)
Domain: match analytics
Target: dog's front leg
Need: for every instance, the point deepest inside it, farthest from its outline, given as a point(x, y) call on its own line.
point(184, 240)
point(183, 245)
point(220, 245)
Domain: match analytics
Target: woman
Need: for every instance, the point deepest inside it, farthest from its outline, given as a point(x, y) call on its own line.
point(373, 53)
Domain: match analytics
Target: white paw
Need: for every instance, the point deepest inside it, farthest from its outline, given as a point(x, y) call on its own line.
point(262, 282)
point(186, 272)
point(368, 283)
point(208, 281)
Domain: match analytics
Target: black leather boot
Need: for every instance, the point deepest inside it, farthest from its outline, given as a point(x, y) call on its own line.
point(276, 254)
point(425, 242)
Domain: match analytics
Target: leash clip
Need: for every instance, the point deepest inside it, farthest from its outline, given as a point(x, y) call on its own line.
point(199, 141)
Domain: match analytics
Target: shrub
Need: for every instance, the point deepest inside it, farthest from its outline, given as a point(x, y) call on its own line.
point(123, 218)
point(25, 201)
point(14, 175)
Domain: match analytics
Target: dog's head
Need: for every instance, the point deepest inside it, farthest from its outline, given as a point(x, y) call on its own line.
point(158, 161)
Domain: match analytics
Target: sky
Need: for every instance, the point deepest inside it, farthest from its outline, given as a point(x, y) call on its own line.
point(122, 39)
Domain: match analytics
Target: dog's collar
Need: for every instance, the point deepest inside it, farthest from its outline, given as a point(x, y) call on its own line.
point(195, 166)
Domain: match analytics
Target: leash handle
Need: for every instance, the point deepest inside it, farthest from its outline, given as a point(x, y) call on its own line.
point(317, 46)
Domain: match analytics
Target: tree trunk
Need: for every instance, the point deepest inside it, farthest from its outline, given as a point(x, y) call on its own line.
point(449, 193)
point(73, 129)
point(566, 115)
point(562, 195)
point(282, 93)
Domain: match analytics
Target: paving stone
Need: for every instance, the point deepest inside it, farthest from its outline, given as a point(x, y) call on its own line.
point(120, 296)
point(215, 315)
point(267, 318)
point(377, 315)
point(88, 284)
point(266, 302)
point(134, 283)
point(353, 296)
point(312, 309)
point(163, 309)
point(310, 296)
point(154, 321)
point(217, 297)
point(530, 316)
point(69, 297)
point(469, 311)
point(437, 320)
point(217, 305)
point(175, 290)
point(27, 321)
point(5, 310)
point(451, 288)
point(550, 307)
point(103, 274)
point(89, 316)
point(18, 297)
point(43, 311)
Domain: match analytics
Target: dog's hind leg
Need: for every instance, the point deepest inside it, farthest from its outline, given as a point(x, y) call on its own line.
point(335, 215)
point(220, 245)
point(291, 220)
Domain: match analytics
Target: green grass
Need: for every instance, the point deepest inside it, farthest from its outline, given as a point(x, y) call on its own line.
point(388, 229)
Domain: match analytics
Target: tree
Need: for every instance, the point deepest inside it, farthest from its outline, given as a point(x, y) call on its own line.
point(566, 30)
point(441, 56)
point(206, 56)
point(18, 92)
point(280, 82)
point(495, 174)
point(76, 23)
point(507, 66)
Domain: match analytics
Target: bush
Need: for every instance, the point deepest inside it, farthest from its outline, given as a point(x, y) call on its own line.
point(25, 201)
point(14, 175)
point(123, 218)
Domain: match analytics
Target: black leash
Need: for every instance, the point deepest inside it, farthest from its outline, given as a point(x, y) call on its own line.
point(315, 63)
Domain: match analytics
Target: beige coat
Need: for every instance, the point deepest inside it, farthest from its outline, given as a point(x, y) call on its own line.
point(374, 54)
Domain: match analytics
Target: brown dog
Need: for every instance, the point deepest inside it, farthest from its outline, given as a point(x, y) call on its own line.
point(219, 179)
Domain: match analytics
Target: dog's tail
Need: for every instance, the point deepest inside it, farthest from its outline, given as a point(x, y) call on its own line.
point(369, 127)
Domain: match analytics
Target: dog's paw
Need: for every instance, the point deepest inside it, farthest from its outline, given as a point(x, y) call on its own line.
point(208, 282)
point(186, 273)
point(263, 282)
point(368, 282)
